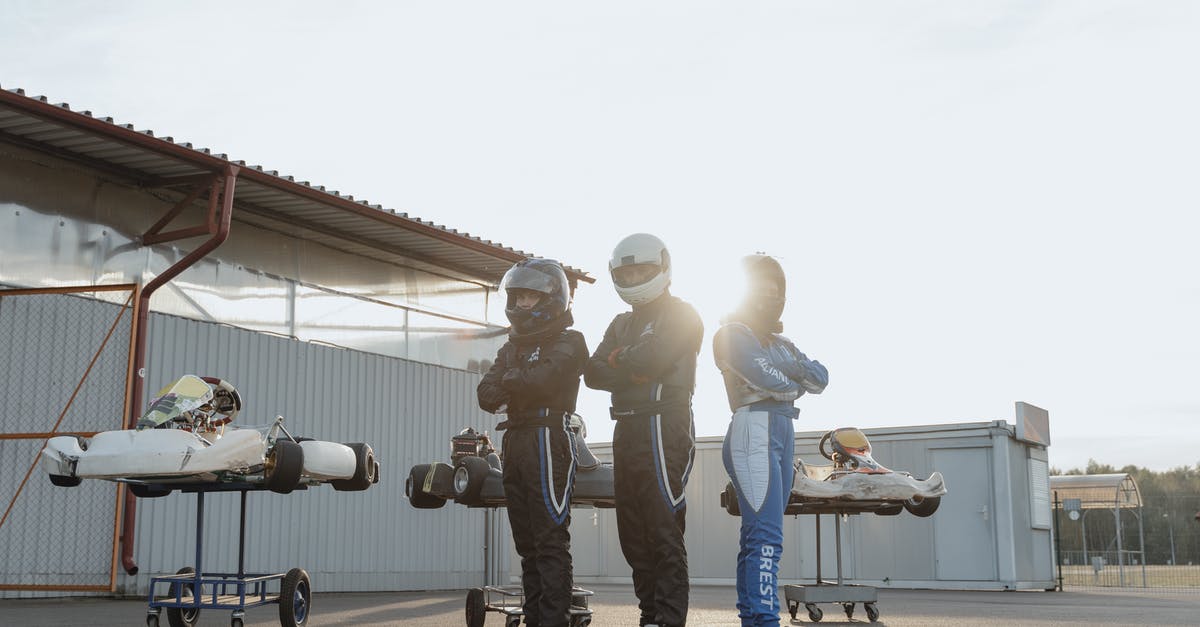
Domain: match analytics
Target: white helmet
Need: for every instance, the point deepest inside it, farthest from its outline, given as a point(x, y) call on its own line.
point(641, 249)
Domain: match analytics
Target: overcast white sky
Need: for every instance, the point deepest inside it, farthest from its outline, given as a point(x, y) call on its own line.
point(976, 203)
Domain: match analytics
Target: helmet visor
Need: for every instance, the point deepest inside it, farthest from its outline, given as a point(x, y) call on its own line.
point(527, 278)
point(634, 274)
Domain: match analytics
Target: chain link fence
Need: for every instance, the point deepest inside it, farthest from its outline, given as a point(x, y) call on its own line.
point(1158, 546)
point(55, 346)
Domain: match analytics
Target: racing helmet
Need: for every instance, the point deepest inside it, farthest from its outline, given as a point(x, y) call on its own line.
point(640, 268)
point(766, 290)
point(544, 276)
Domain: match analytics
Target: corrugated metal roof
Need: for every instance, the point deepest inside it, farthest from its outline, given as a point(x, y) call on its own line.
point(1098, 491)
point(262, 197)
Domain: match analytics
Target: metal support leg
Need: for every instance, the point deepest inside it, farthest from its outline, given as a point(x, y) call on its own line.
point(818, 525)
point(837, 532)
point(242, 539)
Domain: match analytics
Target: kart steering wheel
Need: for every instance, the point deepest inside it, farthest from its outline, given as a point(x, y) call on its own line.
point(821, 446)
point(226, 401)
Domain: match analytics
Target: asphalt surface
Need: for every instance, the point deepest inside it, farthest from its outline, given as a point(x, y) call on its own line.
point(710, 605)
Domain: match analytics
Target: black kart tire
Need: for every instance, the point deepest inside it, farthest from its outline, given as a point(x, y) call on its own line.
point(287, 465)
point(295, 598)
point(414, 487)
point(65, 481)
point(143, 491)
point(183, 616)
point(365, 468)
point(476, 612)
point(477, 469)
point(923, 508)
point(731, 500)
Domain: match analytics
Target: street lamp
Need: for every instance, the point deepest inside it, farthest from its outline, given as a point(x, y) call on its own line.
point(1171, 531)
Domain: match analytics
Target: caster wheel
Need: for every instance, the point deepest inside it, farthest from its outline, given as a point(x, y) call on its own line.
point(793, 607)
point(236, 622)
point(872, 612)
point(476, 609)
point(582, 621)
point(849, 607)
point(512, 621)
point(814, 613)
point(152, 620)
point(182, 616)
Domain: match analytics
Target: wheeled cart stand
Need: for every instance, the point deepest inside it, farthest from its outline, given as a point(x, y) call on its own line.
point(509, 600)
point(827, 592)
point(191, 589)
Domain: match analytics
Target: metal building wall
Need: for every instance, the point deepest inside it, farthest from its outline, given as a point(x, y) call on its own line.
point(988, 508)
point(347, 541)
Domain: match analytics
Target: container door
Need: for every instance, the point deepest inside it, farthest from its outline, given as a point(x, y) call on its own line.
point(964, 531)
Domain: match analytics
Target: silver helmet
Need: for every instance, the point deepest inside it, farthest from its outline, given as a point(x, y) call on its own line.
point(640, 268)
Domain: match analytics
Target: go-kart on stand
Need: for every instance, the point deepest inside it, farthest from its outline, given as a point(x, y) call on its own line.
point(853, 484)
point(474, 478)
point(183, 443)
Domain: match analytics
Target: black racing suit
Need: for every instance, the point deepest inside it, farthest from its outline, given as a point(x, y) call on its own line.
point(648, 361)
point(536, 377)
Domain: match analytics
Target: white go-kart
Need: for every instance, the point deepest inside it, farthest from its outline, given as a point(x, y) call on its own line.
point(185, 440)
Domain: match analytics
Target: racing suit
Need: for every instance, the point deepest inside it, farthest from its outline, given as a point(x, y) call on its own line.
point(647, 360)
point(764, 374)
point(536, 379)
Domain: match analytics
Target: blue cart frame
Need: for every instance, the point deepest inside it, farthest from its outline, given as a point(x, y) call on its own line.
point(190, 592)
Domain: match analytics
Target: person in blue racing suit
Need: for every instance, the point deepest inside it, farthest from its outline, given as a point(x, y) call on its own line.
point(535, 380)
point(764, 373)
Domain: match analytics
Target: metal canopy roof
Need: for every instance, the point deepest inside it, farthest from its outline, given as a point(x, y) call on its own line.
point(1098, 491)
point(263, 198)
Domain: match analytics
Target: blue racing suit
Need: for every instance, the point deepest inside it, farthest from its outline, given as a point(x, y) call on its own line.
point(763, 375)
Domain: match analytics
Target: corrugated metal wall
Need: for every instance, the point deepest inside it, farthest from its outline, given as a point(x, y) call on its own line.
point(881, 550)
point(372, 540)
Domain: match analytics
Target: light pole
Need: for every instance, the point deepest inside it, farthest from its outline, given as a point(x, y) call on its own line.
point(1171, 532)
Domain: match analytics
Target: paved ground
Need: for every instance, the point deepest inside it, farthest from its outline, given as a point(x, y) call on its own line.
point(711, 605)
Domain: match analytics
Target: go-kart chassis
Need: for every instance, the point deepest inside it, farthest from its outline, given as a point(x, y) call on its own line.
point(189, 592)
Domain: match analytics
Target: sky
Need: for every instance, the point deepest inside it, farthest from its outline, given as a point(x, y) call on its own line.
point(976, 203)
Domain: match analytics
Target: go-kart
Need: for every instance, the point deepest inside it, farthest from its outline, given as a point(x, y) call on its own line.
point(184, 440)
point(474, 475)
point(853, 483)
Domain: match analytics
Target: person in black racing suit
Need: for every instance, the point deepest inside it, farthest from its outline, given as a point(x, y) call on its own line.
point(535, 380)
point(647, 360)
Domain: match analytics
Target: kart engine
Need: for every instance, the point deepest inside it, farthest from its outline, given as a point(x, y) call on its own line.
point(469, 443)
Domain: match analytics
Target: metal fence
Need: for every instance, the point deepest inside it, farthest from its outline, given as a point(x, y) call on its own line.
point(1159, 545)
point(64, 361)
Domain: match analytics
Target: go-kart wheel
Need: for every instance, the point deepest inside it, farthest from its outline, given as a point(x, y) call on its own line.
point(468, 479)
point(295, 598)
point(65, 481)
point(143, 491)
point(730, 498)
point(814, 613)
point(365, 468)
point(872, 612)
point(475, 608)
point(285, 463)
point(414, 488)
point(922, 507)
point(183, 616)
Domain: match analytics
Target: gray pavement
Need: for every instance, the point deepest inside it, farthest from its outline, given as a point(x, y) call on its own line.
point(710, 605)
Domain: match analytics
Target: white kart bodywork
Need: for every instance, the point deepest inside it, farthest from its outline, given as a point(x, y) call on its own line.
point(184, 438)
point(174, 455)
point(823, 482)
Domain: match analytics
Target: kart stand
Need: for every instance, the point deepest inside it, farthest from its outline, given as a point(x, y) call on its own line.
point(829, 592)
point(192, 589)
point(508, 600)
